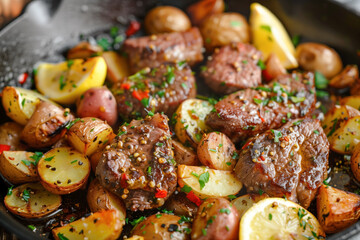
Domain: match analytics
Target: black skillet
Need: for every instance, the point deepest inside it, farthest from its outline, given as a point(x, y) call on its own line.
point(47, 28)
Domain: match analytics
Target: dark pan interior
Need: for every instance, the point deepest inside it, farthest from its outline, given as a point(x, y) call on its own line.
point(47, 28)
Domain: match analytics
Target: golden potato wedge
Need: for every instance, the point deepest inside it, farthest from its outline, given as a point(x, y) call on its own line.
point(355, 162)
point(243, 203)
point(10, 134)
point(31, 200)
point(20, 103)
point(184, 155)
point(216, 151)
point(336, 209)
point(99, 198)
point(346, 78)
point(352, 101)
point(345, 138)
point(84, 50)
point(117, 66)
point(89, 135)
point(18, 167)
point(153, 227)
point(336, 117)
point(46, 126)
point(207, 182)
point(190, 121)
point(105, 224)
point(63, 170)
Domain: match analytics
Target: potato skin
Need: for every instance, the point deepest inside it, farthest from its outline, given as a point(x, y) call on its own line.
point(318, 57)
point(274, 68)
point(83, 50)
point(224, 226)
point(346, 78)
point(46, 126)
point(184, 155)
point(355, 162)
point(10, 134)
point(165, 19)
point(200, 10)
point(181, 205)
point(161, 227)
point(98, 102)
point(223, 28)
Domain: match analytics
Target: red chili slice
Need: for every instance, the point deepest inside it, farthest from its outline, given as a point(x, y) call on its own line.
point(133, 28)
point(4, 147)
point(139, 95)
point(123, 181)
point(125, 86)
point(161, 194)
point(246, 144)
point(193, 198)
point(22, 78)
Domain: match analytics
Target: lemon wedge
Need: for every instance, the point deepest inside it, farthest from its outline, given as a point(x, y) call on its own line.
point(270, 36)
point(277, 218)
point(66, 81)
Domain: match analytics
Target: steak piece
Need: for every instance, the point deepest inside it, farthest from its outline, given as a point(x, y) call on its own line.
point(138, 165)
point(291, 161)
point(160, 89)
point(233, 67)
point(151, 51)
point(246, 113)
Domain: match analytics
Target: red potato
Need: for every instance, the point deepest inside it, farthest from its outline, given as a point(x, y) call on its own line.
point(200, 10)
point(98, 102)
point(274, 68)
point(184, 155)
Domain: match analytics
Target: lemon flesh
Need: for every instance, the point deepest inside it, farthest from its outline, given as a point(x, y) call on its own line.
point(270, 36)
point(277, 218)
point(66, 81)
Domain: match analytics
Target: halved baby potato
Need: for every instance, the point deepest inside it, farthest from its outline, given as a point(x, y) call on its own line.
point(216, 151)
point(345, 138)
point(18, 167)
point(20, 103)
point(105, 224)
point(31, 200)
point(89, 135)
point(117, 66)
point(84, 50)
point(207, 182)
point(190, 121)
point(63, 170)
point(99, 198)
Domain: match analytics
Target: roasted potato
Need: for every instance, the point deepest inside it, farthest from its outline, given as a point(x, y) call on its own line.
point(18, 167)
point(184, 155)
point(117, 66)
point(243, 203)
point(94, 159)
point(164, 19)
point(200, 10)
point(355, 89)
point(216, 219)
point(346, 78)
point(98, 198)
point(344, 139)
point(208, 182)
point(135, 238)
point(63, 170)
point(10, 134)
point(105, 224)
point(89, 135)
point(318, 57)
point(273, 69)
point(98, 102)
point(20, 103)
point(46, 126)
point(352, 101)
point(216, 151)
point(336, 117)
point(355, 162)
point(190, 121)
point(84, 50)
point(181, 205)
point(31, 200)
point(224, 28)
point(163, 226)
point(336, 209)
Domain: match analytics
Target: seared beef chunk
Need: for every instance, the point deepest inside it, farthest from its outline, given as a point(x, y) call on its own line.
point(160, 89)
point(252, 111)
point(232, 68)
point(291, 161)
point(138, 165)
point(151, 51)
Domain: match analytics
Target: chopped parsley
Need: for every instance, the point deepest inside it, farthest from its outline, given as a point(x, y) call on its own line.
point(295, 40)
point(203, 179)
point(70, 63)
point(37, 156)
point(49, 158)
point(277, 135)
point(225, 210)
point(235, 24)
point(145, 102)
point(184, 219)
point(266, 28)
point(297, 123)
point(261, 64)
point(316, 132)
point(170, 76)
point(231, 197)
point(62, 82)
point(333, 128)
point(212, 150)
point(270, 216)
point(32, 227)
point(261, 192)
point(25, 195)
point(10, 190)
point(148, 170)
point(137, 221)
point(62, 237)
point(320, 81)
point(347, 147)
point(186, 189)
point(297, 99)
point(70, 124)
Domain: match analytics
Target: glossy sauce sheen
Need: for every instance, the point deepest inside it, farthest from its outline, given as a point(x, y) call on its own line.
point(294, 165)
point(239, 116)
point(124, 167)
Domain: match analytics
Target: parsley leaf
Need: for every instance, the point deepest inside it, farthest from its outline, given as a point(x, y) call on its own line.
point(320, 80)
point(277, 135)
point(203, 179)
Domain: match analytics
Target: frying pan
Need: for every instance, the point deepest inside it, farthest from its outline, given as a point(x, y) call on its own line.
point(47, 28)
